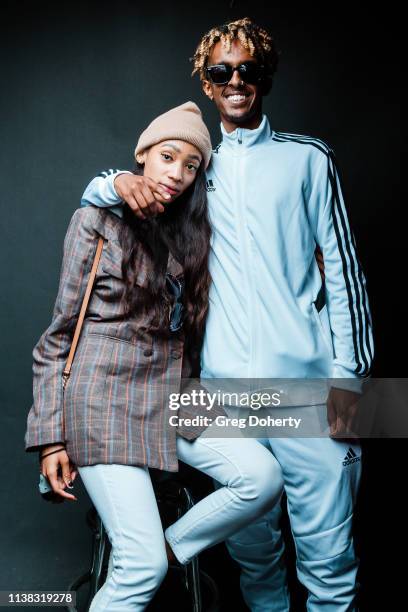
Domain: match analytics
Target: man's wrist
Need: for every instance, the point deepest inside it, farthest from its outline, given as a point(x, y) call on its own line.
point(114, 177)
point(345, 378)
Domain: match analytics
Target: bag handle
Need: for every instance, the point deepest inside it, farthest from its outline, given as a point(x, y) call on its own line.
point(67, 369)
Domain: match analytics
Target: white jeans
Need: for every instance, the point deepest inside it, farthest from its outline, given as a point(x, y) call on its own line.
point(124, 499)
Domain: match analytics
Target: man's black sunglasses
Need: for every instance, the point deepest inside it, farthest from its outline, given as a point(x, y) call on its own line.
point(249, 72)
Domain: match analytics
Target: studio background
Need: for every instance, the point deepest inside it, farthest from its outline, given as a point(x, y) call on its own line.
point(79, 83)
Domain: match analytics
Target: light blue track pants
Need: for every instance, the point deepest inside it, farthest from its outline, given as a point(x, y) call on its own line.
point(251, 483)
point(321, 480)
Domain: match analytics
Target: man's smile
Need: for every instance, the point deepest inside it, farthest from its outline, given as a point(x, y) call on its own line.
point(236, 99)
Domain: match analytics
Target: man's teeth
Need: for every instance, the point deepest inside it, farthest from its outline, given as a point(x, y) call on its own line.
point(236, 98)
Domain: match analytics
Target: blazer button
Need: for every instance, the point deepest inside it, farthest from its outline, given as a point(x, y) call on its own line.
point(148, 353)
point(176, 354)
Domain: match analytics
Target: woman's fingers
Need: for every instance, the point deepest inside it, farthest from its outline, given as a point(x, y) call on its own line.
point(74, 471)
point(66, 473)
point(58, 485)
point(51, 466)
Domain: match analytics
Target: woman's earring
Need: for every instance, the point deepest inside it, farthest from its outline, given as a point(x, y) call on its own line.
point(140, 158)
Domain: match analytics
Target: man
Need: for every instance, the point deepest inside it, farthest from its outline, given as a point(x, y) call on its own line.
point(273, 197)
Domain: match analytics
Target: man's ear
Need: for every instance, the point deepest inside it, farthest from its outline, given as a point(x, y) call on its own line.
point(207, 89)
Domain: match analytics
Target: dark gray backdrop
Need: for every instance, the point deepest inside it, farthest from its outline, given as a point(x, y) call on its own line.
point(79, 82)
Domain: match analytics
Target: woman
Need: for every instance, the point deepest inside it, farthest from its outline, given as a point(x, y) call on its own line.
point(146, 313)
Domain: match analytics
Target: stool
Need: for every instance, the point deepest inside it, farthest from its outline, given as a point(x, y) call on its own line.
point(170, 495)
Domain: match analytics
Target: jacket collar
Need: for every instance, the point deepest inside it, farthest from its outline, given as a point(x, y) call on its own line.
point(242, 138)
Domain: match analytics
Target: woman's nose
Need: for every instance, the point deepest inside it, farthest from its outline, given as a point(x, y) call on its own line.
point(176, 172)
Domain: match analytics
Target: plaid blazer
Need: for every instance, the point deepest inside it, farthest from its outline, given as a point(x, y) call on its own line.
point(114, 408)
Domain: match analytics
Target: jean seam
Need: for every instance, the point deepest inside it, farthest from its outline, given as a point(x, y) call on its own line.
point(172, 541)
point(176, 540)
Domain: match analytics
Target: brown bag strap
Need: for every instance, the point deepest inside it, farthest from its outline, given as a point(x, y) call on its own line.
point(67, 369)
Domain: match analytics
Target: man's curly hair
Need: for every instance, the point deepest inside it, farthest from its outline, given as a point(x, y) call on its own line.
point(259, 43)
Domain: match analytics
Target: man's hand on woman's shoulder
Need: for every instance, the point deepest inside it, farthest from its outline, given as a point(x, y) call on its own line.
point(144, 196)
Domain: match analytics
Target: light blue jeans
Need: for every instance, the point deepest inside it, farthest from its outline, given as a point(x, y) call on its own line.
point(123, 496)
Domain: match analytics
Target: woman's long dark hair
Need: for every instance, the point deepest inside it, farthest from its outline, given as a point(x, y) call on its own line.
point(184, 230)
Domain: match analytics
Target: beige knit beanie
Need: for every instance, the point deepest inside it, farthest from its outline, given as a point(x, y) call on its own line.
point(183, 122)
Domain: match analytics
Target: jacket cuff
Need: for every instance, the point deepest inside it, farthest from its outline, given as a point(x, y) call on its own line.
point(31, 447)
point(344, 379)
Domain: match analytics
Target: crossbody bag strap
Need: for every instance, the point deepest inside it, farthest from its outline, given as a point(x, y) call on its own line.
point(67, 369)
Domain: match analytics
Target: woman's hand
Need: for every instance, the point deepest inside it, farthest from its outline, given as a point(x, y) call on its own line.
point(59, 470)
point(142, 194)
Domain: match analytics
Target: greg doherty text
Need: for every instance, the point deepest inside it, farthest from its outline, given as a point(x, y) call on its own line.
point(241, 423)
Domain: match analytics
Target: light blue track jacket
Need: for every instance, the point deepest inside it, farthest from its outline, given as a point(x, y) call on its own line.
point(272, 197)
